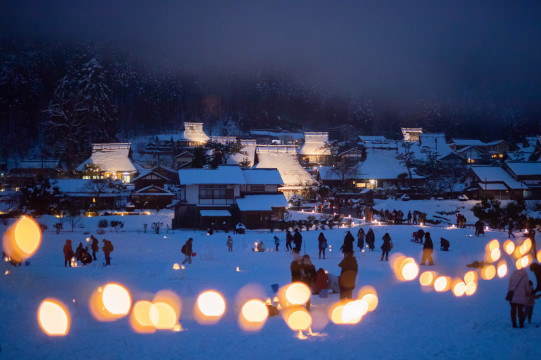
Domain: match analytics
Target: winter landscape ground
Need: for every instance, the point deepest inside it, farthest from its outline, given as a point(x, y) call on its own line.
point(409, 322)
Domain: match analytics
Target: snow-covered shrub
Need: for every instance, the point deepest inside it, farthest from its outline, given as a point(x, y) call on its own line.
point(117, 225)
point(103, 223)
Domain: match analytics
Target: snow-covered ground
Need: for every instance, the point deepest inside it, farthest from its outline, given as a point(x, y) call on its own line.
point(409, 321)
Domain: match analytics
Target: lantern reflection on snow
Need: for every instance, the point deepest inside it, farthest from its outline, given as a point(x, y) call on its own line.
point(253, 315)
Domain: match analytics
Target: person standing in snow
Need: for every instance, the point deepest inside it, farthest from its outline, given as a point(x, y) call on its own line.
point(107, 249)
point(229, 244)
point(296, 267)
point(308, 271)
point(348, 275)
point(536, 269)
point(347, 246)
point(276, 242)
point(322, 244)
point(297, 240)
point(360, 238)
point(289, 239)
point(187, 251)
point(518, 284)
point(68, 253)
point(510, 228)
point(95, 246)
point(409, 217)
point(371, 239)
point(79, 251)
point(386, 247)
point(428, 249)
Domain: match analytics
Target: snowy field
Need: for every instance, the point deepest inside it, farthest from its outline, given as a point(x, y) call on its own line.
point(409, 321)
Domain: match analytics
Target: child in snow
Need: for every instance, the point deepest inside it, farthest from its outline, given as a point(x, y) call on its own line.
point(107, 249)
point(187, 251)
point(276, 242)
point(68, 253)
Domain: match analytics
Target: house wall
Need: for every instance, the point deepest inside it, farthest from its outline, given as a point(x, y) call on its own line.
point(192, 194)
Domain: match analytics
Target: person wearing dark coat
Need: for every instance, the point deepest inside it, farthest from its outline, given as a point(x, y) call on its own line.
point(296, 267)
point(95, 246)
point(107, 249)
point(428, 249)
point(371, 239)
point(536, 269)
point(420, 236)
point(78, 252)
point(297, 240)
point(289, 239)
point(308, 271)
point(85, 256)
point(348, 275)
point(347, 246)
point(510, 228)
point(188, 251)
point(322, 244)
point(68, 253)
point(386, 247)
point(360, 238)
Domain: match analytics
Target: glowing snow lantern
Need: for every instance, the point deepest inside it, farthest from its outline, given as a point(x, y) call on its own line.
point(427, 278)
point(471, 288)
point(176, 266)
point(502, 269)
point(354, 311)
point(459, 288)
point(140, 317)
point(210, 307)
point(22, 239)
point(509, 247)
point(54, 318)
point(298, 319)
point(116, 299)
point(162, 316)
point(442, 283)
point(410, 269)
point(470, 276)
point(297, 293)
point(488, 272)
point(253, 315)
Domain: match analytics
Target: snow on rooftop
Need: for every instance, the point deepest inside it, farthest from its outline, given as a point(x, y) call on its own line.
point(315, 143)
point(372, 138)
point(525, 168)
point(247, 153)
point(277, 133)
point(261, 202)
point(194, 132)
point(262, 176)
point(221, 175)
point(381, 164)
point(496, 174)
point(284, 158)
point(83, 187)
point(468, 142)
point(110, 158)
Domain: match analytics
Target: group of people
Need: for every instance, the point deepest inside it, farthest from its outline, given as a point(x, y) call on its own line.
point(82, 254)
point(521, 294)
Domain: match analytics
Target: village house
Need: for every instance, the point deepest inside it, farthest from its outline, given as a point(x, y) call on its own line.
point(111, 161)
point(228, 195)
point(494, 181)
point(154, 189)
point(92, 194)
point(182, 159)
point(528, 173)
point(315, 150)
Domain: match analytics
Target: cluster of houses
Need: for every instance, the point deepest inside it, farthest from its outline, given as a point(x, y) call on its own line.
point(254, 184)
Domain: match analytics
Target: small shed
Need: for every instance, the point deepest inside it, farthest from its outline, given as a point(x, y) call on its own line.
point(218, 217)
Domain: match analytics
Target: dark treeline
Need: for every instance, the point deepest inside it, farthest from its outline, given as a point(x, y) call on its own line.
point(48, 89)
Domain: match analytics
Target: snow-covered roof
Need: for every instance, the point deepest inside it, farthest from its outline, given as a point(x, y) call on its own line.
point(525, 168)
point(372, 138)
point(261, 202)
point(492, 186)
point(496, 174)
point(277, 133)
point(194, 132)
point(220, 175)
point(161, 191)
point(468, 142)
point(170, 137)
point(315, 143)
point(247, 153)
point(148, 173)
point(110, 158)
point(38, 164)
point(284, 159)
point(261, 176)
point(215, 213)
point(381, 164)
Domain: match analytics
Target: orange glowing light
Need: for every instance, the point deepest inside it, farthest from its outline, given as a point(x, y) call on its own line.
point(176, 266)
point(471, 288)
point(336, 313)
point(255, 311)
point(494, 244)
point(371, 300)
point(354, 311)
point(298, 319)
point(211, 304)
point(470, 276)
point(539, 256)
point(459, 288)
point(494, 255)
point(297, 293)
point(116, 299)
point(140, 317)
point(22, 239)
point(177, 327)
point(427, 278)
point(509, 247)
point(488, 272)
point(162, 316)
point(408, 269)
point(442, 283)
point(502, 269)
point(54, 318)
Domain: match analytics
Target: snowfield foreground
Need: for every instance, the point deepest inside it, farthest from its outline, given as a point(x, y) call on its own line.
point(409, 322)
